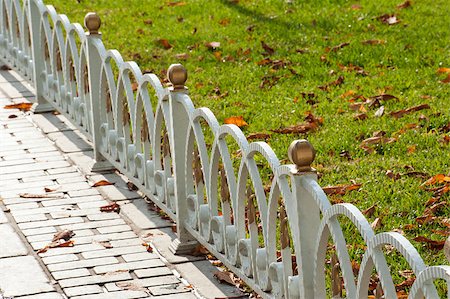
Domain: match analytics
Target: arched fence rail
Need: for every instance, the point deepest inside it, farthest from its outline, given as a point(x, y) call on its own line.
point(163, 150)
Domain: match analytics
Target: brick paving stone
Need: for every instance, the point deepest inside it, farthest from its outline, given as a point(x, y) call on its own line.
point(75, 213)
point(59, 258)
point(44, 296)
point(70, 201)
point(3, 218)
point(83, 290)
point(83, 264)
point(160, 280)
point(85, 192)
point(11, 244)
point(21, 276)
point(126, 242)
point(23, 186)
point(94, 279)
point(48, 123)
point(114, 229)
point(116, 194)
point(37, 166)
point(21, 175)
point(94, 224)
point(103, 216)
point(36, 156)
point(129, 266)
point(113, 252)
point(62, 170)
point(71, 273)
point(168, 289)
point(74, 249)
point(70, 141)
point(67, 175)
point(184, 296)
point(93, 204)
point(49, 236)
point(30, 218)
point(39, 231)
point(54, 222)
point(139, 256)
point(144, 273)
point(23, 206)
point(108, 237)
point(14, 200)
point(40, 210)
point(116, 295)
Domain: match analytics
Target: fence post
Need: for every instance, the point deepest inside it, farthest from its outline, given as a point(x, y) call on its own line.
point(302, 154)
point(179, 123)
point(41, 105)
point(94, 63)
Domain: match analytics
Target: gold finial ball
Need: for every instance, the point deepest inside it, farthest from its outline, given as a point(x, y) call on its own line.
point(302, 154)
point(177, 75)
point(92, 22)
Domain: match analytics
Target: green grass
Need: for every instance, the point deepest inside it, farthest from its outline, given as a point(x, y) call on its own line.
point(405, 65)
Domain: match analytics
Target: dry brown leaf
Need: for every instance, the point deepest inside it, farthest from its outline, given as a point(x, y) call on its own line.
point(65, 235)
point(12, 116)
point(5, 68)
point(432, 244)
point(199, 250)
point(374, 42)
point(390, 174)
point(443, 70)
point(182, 56)
point(236, 120)
point(434, 208)
point(296, 129)
point(69, 243)
point(212, 45)
point(425, 219)
point(132, 187)
point(224, 276)
point(400, 113)
point(390, 19)
point(376, 224)
point(411, 149)
point(165, 43)
point(437, 179)
point(356, 6)
point(46, 189)
point(105, 244)
point(112, 207)
point(446, 80)
point(267, 48)
point(404, 5)
point(336, 82)
point(254, 136)
point(369, 211)
point(102, 183)
point(30, 195)
point(21, 106)
point(176, 3)
point(130, 286)
point(340, 190)
point(338, 47)
point(224, 22)
point(360, 116)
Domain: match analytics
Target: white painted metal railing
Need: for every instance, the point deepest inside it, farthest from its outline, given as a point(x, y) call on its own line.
point(163, 150)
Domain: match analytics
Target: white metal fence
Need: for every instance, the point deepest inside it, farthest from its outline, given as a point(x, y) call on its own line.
point(164, 150)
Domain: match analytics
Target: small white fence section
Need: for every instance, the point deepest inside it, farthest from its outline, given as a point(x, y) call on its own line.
point(213, 197)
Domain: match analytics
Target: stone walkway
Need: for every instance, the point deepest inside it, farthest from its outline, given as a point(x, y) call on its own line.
point(46, 187)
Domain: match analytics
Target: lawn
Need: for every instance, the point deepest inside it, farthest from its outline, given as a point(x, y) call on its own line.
point(339, 60)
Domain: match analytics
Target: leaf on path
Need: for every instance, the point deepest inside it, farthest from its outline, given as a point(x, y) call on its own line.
point(69, 243)
point(30, 195)
point(405, 4)
point(102, 183)
point(21, 106)
point(130, 286)
point(165, 43)
point(401, 113)
point(236, 120)
point(267, 48)
point(12, 116)
point(389, 19)
point(64, 234)
point(432, 244)
point(5, 68)
point(105, 244)
point(199, 250)
point(112, 207)
point(132, 187)
point(224, 277)
point(340, 190)
point(47, 189)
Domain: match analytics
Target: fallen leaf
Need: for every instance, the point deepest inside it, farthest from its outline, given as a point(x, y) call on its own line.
point(446, 80)
point(432, 244)
point(356, 6)
point(384, 97)
point(296, 129)
point(30, 195)
point(130, 286)
point(102, 183)
point(425, 219)
point(340, 190)
point(165, 43)
point(443, 70)
point(148, 22)
point(112, 207)
point(64, 234)
point(176, 3)
point(254, 136)
point(132, 187)
point(369, 211)
point(338, 47)
point(21, 106)
point(182, 56)
point(224, 22)
point(374, 42)
point(5, 68)
point(345, 154)
point(212, 45)
point(437, 179)
point(224, 276)
point(105, 244)
point(390, 174)
point(404, 5)
point(46, 189)
point(236, 120)
point(404, 285)
point(400, 113)
point(411, 149)
point(389, 19)
point(199, 250)
point(267, 48)
point(379, 112)
point(148, 247)
point(134, 86)
point(336, 82)
point(12, 116)
point(376, 224)
point(434, 208)
point(69, 243)
point(360, 116)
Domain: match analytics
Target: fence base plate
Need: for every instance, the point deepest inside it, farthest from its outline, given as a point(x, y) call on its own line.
point(185, 248)
point(102, 166)
point(41, 108)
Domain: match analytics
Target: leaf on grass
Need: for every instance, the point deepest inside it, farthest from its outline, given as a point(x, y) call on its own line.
point(390, 174)
point(254, 136)
point(437, 179)
point(112, 207)
point(360, 116)
point(64, 234)
point(377, 140)
point(425, 219)
point(338, 47)
point(376, 224)
point(404, 5)
point(404, 285)
point(224, 22)
point(411, 149)
point(384, 97)
point(267, 48)
point(406, 273)
point(400, 113)
point(369, 211)
point(443, 70)
point(21, 106)
point(165, 43)
point(176, 3)
point(236, 120)
point(224, 277)
point(336, 82)
point(212, 45)
point(356, 6)
point(340, 190)
point(432, 244)
point(434, 208)
point(296, 129)
point(374, 42)
point(379, 112)
point(446, 80)
point(182, 56)
point(390, 19)
point(102, 183)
